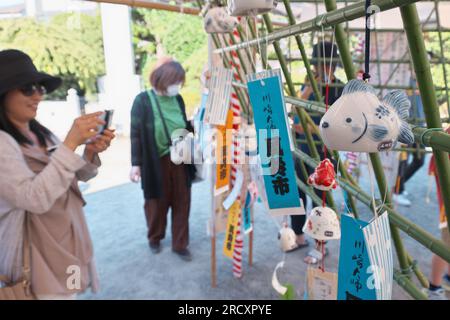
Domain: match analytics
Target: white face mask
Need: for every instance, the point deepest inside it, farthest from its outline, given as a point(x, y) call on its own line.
point(173, 90)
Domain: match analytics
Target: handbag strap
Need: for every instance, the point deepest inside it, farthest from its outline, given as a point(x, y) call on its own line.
point(27, 254)
point(158, 106)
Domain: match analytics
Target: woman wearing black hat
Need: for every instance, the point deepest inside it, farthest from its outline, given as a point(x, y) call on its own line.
point(44, 238)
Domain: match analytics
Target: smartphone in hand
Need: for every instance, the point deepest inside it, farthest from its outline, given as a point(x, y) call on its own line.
point(107, 117)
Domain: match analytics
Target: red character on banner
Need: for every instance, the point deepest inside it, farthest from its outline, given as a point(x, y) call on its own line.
point(324, 176)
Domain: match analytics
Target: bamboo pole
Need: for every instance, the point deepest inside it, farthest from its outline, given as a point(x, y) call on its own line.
point(344, 50)
point(418, 51)
point(383, 86)
point(309, 191)
point(412, 150)
point(442, 57)
point(390, 30)
point(438, 140)
point(393, 61)
point(213, 262)
point(393, 72)
point(304, 57)
point(420, 276)
point(354, 11)
point(152, 5)
point(409, 286)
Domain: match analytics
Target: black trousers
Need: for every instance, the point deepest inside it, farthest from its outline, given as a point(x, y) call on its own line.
point(406, 171)
point(298, 221)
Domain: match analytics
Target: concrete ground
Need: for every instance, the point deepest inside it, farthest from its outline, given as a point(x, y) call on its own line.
point(128, 270)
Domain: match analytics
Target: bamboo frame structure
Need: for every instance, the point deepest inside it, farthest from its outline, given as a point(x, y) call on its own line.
point(330, 19)
point(418, 51)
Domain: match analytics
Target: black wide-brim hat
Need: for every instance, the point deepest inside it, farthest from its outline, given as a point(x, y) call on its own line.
point(17, 69)
point(325, 50)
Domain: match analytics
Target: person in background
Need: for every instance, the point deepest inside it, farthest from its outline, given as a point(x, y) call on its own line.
point(325, 50)
point(439, 279)
point(39, 196)
point(155, 115)
point(407, 170)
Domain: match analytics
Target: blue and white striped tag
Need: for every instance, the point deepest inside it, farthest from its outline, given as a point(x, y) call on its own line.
point(378, 241)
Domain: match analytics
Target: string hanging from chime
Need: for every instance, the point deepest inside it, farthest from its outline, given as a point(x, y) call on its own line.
point(327, 94)
point(366, 74)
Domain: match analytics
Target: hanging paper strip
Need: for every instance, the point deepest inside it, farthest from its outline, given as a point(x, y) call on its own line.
point(231, 231)
point(265, 91)
point(378, 241)
point(247, 218)
point(199, 125)
point(236, 182)
point(355, 276)
point(219, 95)
point(223, 156)
point(220, 217)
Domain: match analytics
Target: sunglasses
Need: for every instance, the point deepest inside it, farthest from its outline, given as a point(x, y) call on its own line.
point(31, 88)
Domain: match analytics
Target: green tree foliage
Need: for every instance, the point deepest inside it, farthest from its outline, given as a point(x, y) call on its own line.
point(69, 45)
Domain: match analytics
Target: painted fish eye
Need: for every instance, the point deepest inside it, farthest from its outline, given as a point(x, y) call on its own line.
point(348, 120)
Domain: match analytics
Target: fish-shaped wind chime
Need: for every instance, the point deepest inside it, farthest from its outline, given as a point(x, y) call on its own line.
point(358, 121)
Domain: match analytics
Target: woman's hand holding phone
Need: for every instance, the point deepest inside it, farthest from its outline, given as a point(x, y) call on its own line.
point(102, 142)
point(83, 129)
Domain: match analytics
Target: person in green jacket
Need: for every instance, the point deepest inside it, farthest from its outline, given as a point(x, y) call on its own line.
point(156, 114)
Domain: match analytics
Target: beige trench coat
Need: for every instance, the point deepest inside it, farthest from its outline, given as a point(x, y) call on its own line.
point(45, 187)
